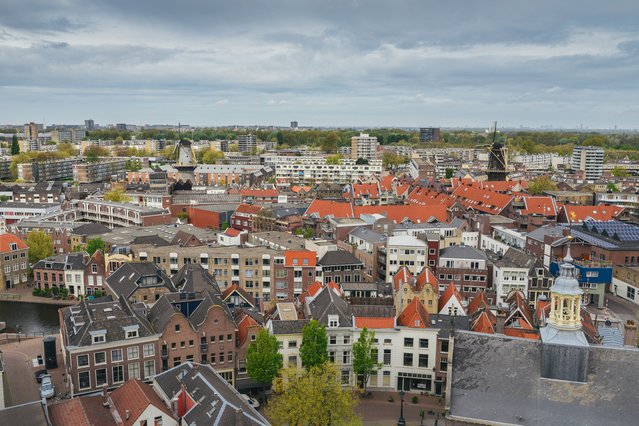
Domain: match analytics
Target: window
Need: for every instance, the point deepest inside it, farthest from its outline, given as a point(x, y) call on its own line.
point(212, 358)
point(346, 357)
point(443, 365)
point(116, 355)
point(100, 358)
point(149, 368)
point(253, 338)
point(444, 345)
point(118, 374)
point(177, 361)
point(408, 360)
point(387, 356)
point(408, 342)
point(133, 352)
point(177, 328)
point(149, 350)
point(94, 268)
point(99, 338)
point(83, 360)
point(630, 293)
point(333, 321)
point(423, 360)
point(292, 361)
point(229, 337)
point(221, 357)
point(134, 370)
point(157, 421)
point(332, 340)
point(229, 357)
point(183, 344)
point(84, 380)
point(331, 356)
point(346, 377)
point(387, 341)
point(131, 334)
point(100, 377)
point(212, 339)
point(190, 343)
point(423, 343)
point(347, 340)
point(386, 378)
point(173, 345)
point(292, 343)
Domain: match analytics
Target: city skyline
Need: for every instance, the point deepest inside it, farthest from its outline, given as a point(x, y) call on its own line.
point(342, 64)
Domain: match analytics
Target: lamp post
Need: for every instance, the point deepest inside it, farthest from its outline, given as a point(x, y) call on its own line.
point(18, 330)
point(401, 421)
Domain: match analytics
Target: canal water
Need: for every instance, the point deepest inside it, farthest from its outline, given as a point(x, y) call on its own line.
point(30, 317)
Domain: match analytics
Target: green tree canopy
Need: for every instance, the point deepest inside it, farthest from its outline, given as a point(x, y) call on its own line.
point(212, 156)
point(334, 159)
point(92, 153)
point(94, 245)
point(15, 146)
point(612, 187)
point(391, 160)
point(541, 184)
point(263, 361)
point(361, 161)
point(314, 349)
point(116, 196)
point(40, 246)
point(619, 171)
point(365, 356)
point(329, 143)
point(312, 398)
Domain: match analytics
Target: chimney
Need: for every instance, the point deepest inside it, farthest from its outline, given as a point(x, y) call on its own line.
point(127, 414)
point(630, 333)
point(239, 417)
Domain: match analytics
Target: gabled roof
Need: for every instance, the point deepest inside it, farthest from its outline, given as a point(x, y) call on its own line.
point(402, 276)
point(520, 314)
point(300, 258)
point(406, 212)
point(483, 323)
point(129, 277)
point(82, 411)
point(235, 289)
point(323, 208)
point(134, 397)
point(243, 325)
point(327, 302)
point(414, 315)
point(542, 206)
point(193, 277)
point(338, 257)
point(482, 200)
point(247, 209)
point(426, 197)
point(477, 303)
point(7, 239)
point(602, 212)
point(451, 293)
point(232, 232)
point(185, 239)
point(363, 190)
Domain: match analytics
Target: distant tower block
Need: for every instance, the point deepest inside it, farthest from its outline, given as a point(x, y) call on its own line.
point(293, 124)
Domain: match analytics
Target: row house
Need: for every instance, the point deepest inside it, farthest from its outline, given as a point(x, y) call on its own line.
point(259, 196)
point(14, 261)
point(510, 272)
point(106, 342)
point(423, 287)
point(278, 218)
point(195, 327)
point(467, 267)
point(230, 174)
point(139, 282)
point(364, 244)
point(60, 232)
point(340, 266)
point(244, 215)
point(79, 273)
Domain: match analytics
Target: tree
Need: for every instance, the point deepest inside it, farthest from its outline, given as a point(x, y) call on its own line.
point(449, 173)
point(65, 149)
point(540, 185)
point(391, 160)
point(362, 161)
point(15, 146)
point(40, 245)
point(313, 398)
point(212, 156)
point(314, 349)
point(119, 140)
point(365, 356)
point(334, 159)
point(329, 143)
point(305, 232)
point(116, 196)
point(94, 245)
point(619, 171)
point(612, 187)
point(92, 153)
point(263, 361)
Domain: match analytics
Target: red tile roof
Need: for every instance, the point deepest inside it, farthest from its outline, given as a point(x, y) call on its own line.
point(483, 323)
point(426, 277)
point(259, 193)
point(7, 239)
point(402, 189)
point(522, 333)
point(297, 257)
point(360, 190)
point(248, 209)
point(374, 322)
point(482, 200)
point(426, 197)
point(386, 182)
point(478, 302)
point(297, 188)
point(402, 276)
point(414, 315)
point(543, 206)
point(135, 397)
point(327, 208)
point(69, 413)
point(232, 232)
point(602, 212)
point(243, 326)
point(450, 293)
point(399, 213)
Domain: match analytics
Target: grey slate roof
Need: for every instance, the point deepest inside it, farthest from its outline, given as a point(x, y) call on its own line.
point(87, 229)
point(102, 313)
point(326, 303)
point(539, 233)
point(497, 379)
point(513, 258)
point(462, 252)
point(193, 277)
point(368, 235)
point(60, 262)
point(217, 402)
point(129, 277)
point(288, 326)
point(339, 257)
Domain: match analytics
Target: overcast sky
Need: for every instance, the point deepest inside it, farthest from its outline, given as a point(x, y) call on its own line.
point(321, 62)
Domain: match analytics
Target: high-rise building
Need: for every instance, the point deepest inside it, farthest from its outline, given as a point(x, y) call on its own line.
point(429, 134)
point(247, 143)
point(89, 125)
point(73, 136)
point(31, 131)
point(364, 146)
point(588, 159)
point(120, 126)
point(293, 124)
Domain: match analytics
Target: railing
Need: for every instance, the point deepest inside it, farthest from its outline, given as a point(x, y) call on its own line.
point(10, 296)
point(6, 338)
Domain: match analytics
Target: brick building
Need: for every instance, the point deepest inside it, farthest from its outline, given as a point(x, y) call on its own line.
point(14, 261)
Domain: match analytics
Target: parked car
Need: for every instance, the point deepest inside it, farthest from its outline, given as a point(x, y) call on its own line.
point(39, 374)
point(251, 401)
point(46, 387)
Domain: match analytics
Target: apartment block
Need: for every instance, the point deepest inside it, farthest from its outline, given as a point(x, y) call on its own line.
point(589, 160)
point(313, 170)
point(98, 171)
point(364, 146)
point(38, 171)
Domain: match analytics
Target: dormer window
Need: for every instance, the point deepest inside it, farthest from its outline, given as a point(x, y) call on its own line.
point(13, 246)
point(98, 336)
point(333, 321)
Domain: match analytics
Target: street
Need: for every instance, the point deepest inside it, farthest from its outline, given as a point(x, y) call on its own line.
point(378, 411)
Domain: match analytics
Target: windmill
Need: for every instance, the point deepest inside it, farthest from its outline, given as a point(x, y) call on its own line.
point(497, 158)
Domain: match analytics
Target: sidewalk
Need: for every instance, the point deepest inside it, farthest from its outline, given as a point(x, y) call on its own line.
point(377, 410)
point(25, 295)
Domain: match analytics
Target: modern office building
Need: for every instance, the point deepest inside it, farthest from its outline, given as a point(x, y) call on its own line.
point(89, 125)
point(247, 143)
point(364, 146)
point(31, 131)
point(588, 159)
